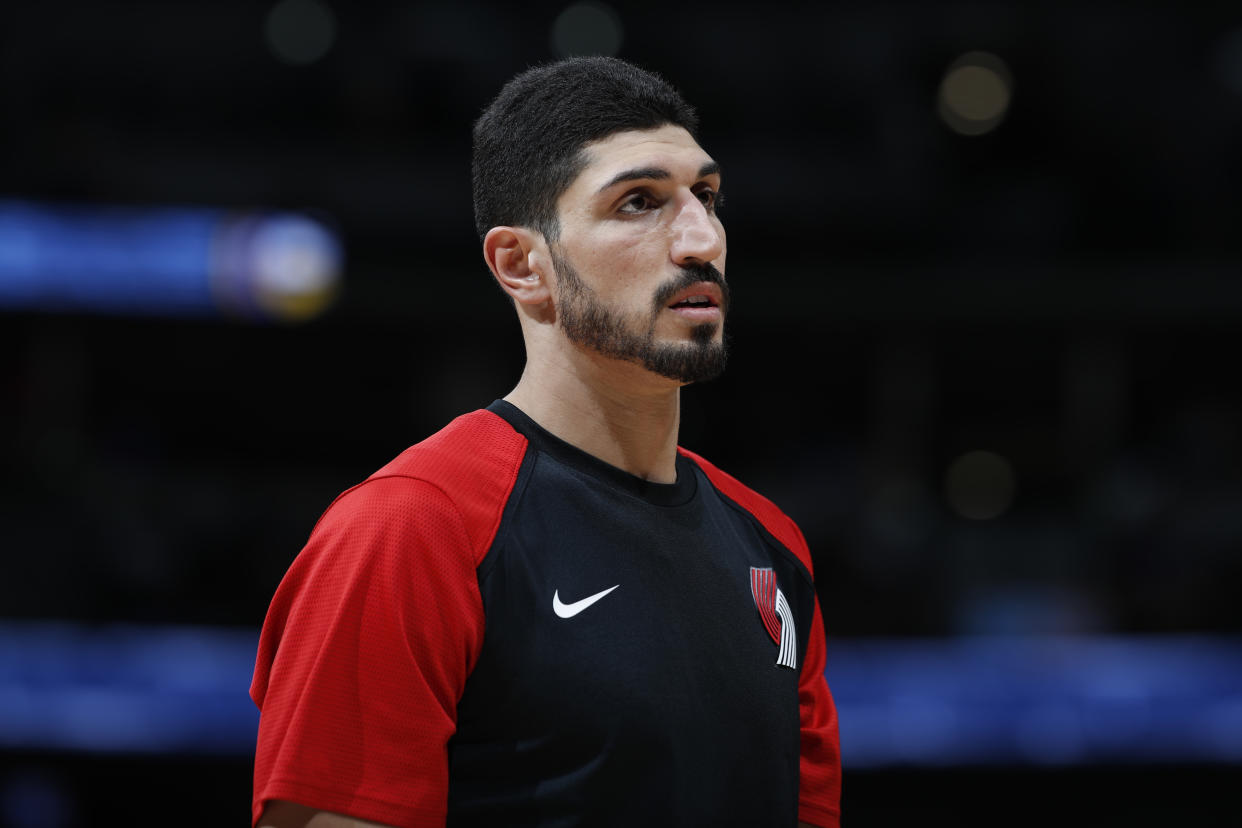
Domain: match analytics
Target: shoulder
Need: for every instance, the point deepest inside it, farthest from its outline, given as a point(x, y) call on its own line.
point(767, 513)
point(473, 447)
point(467, 469)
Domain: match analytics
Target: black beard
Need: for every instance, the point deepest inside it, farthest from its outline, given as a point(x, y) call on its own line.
point(588, 322)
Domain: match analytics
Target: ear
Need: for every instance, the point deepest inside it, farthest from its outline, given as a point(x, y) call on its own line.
point(516, 257)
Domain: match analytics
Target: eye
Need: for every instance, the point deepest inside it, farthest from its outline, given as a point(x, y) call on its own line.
point(710, 198)
point(637, 203)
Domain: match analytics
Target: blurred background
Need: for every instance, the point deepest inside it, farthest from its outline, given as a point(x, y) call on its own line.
point(987, 303)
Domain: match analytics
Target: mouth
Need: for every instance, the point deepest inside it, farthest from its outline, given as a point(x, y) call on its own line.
point(700, 300)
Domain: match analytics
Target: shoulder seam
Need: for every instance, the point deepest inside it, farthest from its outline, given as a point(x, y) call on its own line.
point(461, 520)
point(797, 559)
point(707, 468)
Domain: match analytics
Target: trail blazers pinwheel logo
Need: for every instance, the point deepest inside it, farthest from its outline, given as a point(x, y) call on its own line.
point(776, 614)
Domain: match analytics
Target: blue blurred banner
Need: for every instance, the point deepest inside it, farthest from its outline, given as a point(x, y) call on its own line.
point(182, 261)
point(941, 702)
point(1047, 700)
point(127, 689)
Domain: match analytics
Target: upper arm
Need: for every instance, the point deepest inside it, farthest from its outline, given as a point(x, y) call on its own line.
point(819, 794)
point(364, 656)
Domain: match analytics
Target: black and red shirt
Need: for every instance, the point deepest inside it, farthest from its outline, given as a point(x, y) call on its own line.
point(498, 628)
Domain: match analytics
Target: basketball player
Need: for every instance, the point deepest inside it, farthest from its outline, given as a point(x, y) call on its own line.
point(548, 613)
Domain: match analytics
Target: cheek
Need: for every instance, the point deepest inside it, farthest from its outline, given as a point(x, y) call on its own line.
point(625, 268)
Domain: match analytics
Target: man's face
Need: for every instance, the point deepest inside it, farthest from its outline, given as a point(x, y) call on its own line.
point(640, 258)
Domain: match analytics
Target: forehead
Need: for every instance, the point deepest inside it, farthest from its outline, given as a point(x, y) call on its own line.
point(668, 147)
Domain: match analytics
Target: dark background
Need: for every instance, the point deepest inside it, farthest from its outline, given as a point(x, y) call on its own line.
point(1062, 292)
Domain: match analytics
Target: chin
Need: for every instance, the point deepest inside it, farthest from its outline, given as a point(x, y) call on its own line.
point(687, 363)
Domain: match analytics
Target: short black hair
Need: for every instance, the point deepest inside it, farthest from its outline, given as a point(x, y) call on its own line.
point(528, 143)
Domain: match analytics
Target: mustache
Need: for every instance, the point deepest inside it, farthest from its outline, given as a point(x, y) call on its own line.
point(692, 275)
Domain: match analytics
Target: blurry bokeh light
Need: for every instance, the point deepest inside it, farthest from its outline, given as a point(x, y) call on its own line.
point(979, 485)
point(300, 31)
point(289, 265)
point(587, 28)
point(975, 93)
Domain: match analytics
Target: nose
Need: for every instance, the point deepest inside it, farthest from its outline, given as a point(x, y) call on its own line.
point(697, 236)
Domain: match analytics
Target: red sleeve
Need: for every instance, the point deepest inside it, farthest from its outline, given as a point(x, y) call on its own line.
point(819, 790)
point(364, 655)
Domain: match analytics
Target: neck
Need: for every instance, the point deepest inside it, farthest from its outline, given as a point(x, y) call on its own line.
point(611, 410)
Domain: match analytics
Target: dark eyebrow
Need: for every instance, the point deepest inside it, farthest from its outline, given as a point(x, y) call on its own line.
point(638, 173)
point(655, 174)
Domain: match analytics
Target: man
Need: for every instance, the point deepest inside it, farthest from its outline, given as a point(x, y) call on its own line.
point(548, 613)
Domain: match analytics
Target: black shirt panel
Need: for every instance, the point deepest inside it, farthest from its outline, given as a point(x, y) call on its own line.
point(661, 703)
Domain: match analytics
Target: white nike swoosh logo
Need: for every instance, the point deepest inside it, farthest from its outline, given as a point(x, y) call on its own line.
point(570, 610)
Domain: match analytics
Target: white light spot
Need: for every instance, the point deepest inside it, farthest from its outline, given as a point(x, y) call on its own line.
point(300, 31)
point(975, 93)
point(588, 28)
point(979, 485)
point(296, 266)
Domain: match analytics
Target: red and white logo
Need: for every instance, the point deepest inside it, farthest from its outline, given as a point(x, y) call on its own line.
point(776, 614)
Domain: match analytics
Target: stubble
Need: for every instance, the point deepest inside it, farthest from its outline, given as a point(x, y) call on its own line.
point(589, 322)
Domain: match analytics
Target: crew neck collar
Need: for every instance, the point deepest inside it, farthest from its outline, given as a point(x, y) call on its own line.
point(659, 494)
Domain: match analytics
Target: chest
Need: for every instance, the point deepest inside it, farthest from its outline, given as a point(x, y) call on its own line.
point(618, 625)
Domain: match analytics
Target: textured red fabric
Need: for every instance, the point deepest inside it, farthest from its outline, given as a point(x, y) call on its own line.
point(819, 799)
point(382, 605)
